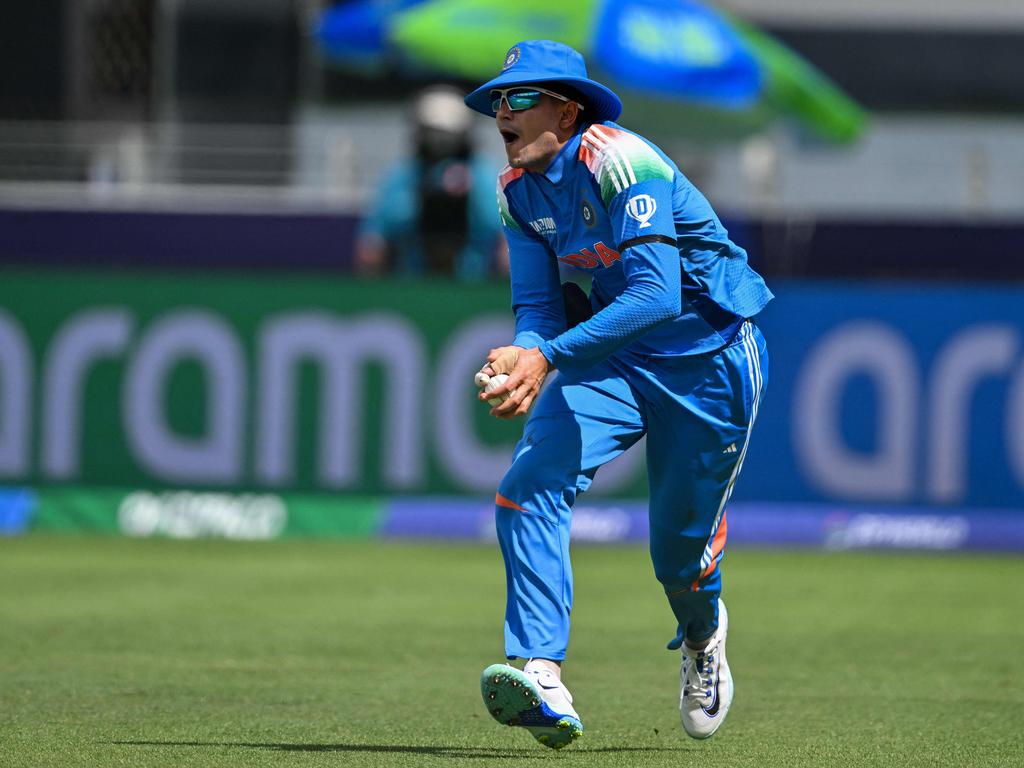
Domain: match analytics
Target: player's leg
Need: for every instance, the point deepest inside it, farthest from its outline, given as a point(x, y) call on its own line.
point(578, 424)
point(698, 436)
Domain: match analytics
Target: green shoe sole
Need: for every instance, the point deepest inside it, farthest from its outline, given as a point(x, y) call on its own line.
point(512, 699)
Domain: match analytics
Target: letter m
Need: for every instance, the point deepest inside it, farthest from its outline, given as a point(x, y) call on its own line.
point(341, 349)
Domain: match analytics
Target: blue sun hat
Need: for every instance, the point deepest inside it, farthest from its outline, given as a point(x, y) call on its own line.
point(545, 61)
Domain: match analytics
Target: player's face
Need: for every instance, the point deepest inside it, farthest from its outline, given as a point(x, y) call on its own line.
point(531, 135)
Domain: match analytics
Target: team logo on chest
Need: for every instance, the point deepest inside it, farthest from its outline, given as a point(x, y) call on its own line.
point(642, 208)
point(588, 213)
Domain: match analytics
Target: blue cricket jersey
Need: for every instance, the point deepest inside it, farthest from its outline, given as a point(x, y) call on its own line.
point(666, 278)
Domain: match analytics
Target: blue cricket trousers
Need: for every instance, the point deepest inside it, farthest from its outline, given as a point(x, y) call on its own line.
point(697, 413)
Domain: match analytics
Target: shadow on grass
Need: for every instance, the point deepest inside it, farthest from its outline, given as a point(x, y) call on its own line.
point(461, 752)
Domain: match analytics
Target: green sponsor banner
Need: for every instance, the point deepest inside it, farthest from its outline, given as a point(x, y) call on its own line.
point(76, 510)
point(262, 384)
point(185, 514)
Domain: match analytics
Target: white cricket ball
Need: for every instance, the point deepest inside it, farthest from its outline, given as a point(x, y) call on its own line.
point(487, 383)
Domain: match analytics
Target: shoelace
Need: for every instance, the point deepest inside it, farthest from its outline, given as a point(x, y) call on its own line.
point(700, 672)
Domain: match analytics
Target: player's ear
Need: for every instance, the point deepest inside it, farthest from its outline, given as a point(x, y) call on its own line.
point(570, 111)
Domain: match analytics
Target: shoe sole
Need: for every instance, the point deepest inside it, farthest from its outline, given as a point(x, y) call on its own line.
point(512, 699)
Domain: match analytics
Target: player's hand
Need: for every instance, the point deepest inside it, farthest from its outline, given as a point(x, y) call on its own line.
point(501, 360)
point(526, 369)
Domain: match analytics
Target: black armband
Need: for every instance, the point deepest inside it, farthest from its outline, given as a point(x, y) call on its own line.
point(644, 239)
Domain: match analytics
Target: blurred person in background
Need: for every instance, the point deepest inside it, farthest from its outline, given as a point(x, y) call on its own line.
point(434, 211)
point(668, 351)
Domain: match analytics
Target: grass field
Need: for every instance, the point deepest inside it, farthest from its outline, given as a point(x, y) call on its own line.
point(311, 653)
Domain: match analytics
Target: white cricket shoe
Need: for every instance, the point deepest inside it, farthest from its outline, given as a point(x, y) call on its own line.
point(532, 698)
point(706, 683)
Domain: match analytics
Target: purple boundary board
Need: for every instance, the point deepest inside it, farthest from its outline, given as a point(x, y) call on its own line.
point(756, 524)
point(326, 241)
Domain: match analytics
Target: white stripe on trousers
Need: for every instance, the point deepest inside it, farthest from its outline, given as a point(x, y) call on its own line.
point(753, 356)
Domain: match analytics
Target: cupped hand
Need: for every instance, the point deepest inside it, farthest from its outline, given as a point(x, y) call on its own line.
point(526, 369)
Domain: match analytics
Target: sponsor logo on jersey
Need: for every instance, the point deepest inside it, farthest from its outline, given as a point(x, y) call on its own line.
point(511, 58)
point(598, 255)
point(588, 213)
point(641, 208)
point(543, 226)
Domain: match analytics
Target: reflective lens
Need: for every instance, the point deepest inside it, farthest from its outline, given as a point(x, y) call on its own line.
point(518, 98)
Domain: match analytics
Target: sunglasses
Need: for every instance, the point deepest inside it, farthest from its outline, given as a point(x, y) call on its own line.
point(520, 98)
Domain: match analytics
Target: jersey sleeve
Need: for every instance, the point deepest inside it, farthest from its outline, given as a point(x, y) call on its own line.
point(536, 289)
point(637, 190)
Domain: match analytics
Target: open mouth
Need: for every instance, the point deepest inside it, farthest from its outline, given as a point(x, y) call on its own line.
point(508, 135)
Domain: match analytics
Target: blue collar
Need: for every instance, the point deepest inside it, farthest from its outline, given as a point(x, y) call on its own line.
point(556, 171)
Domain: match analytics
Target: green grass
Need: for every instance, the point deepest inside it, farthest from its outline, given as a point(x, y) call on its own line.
point(311, 653)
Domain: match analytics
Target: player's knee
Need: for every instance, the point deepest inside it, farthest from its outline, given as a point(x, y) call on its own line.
point(674, 582)
point(518, 488)
point(678, 568)
point(535, 472)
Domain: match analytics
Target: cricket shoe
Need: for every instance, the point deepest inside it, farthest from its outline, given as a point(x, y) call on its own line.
point(532, 698)
point(706, 683)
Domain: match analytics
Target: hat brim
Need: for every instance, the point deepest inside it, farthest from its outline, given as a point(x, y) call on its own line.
point(601, 102)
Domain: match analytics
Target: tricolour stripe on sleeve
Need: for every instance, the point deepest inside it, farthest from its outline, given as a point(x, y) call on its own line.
point(506, 177)
point(618, 159)
point(608, 175)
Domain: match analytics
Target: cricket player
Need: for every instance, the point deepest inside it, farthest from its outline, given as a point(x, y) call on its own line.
point(669, 351)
